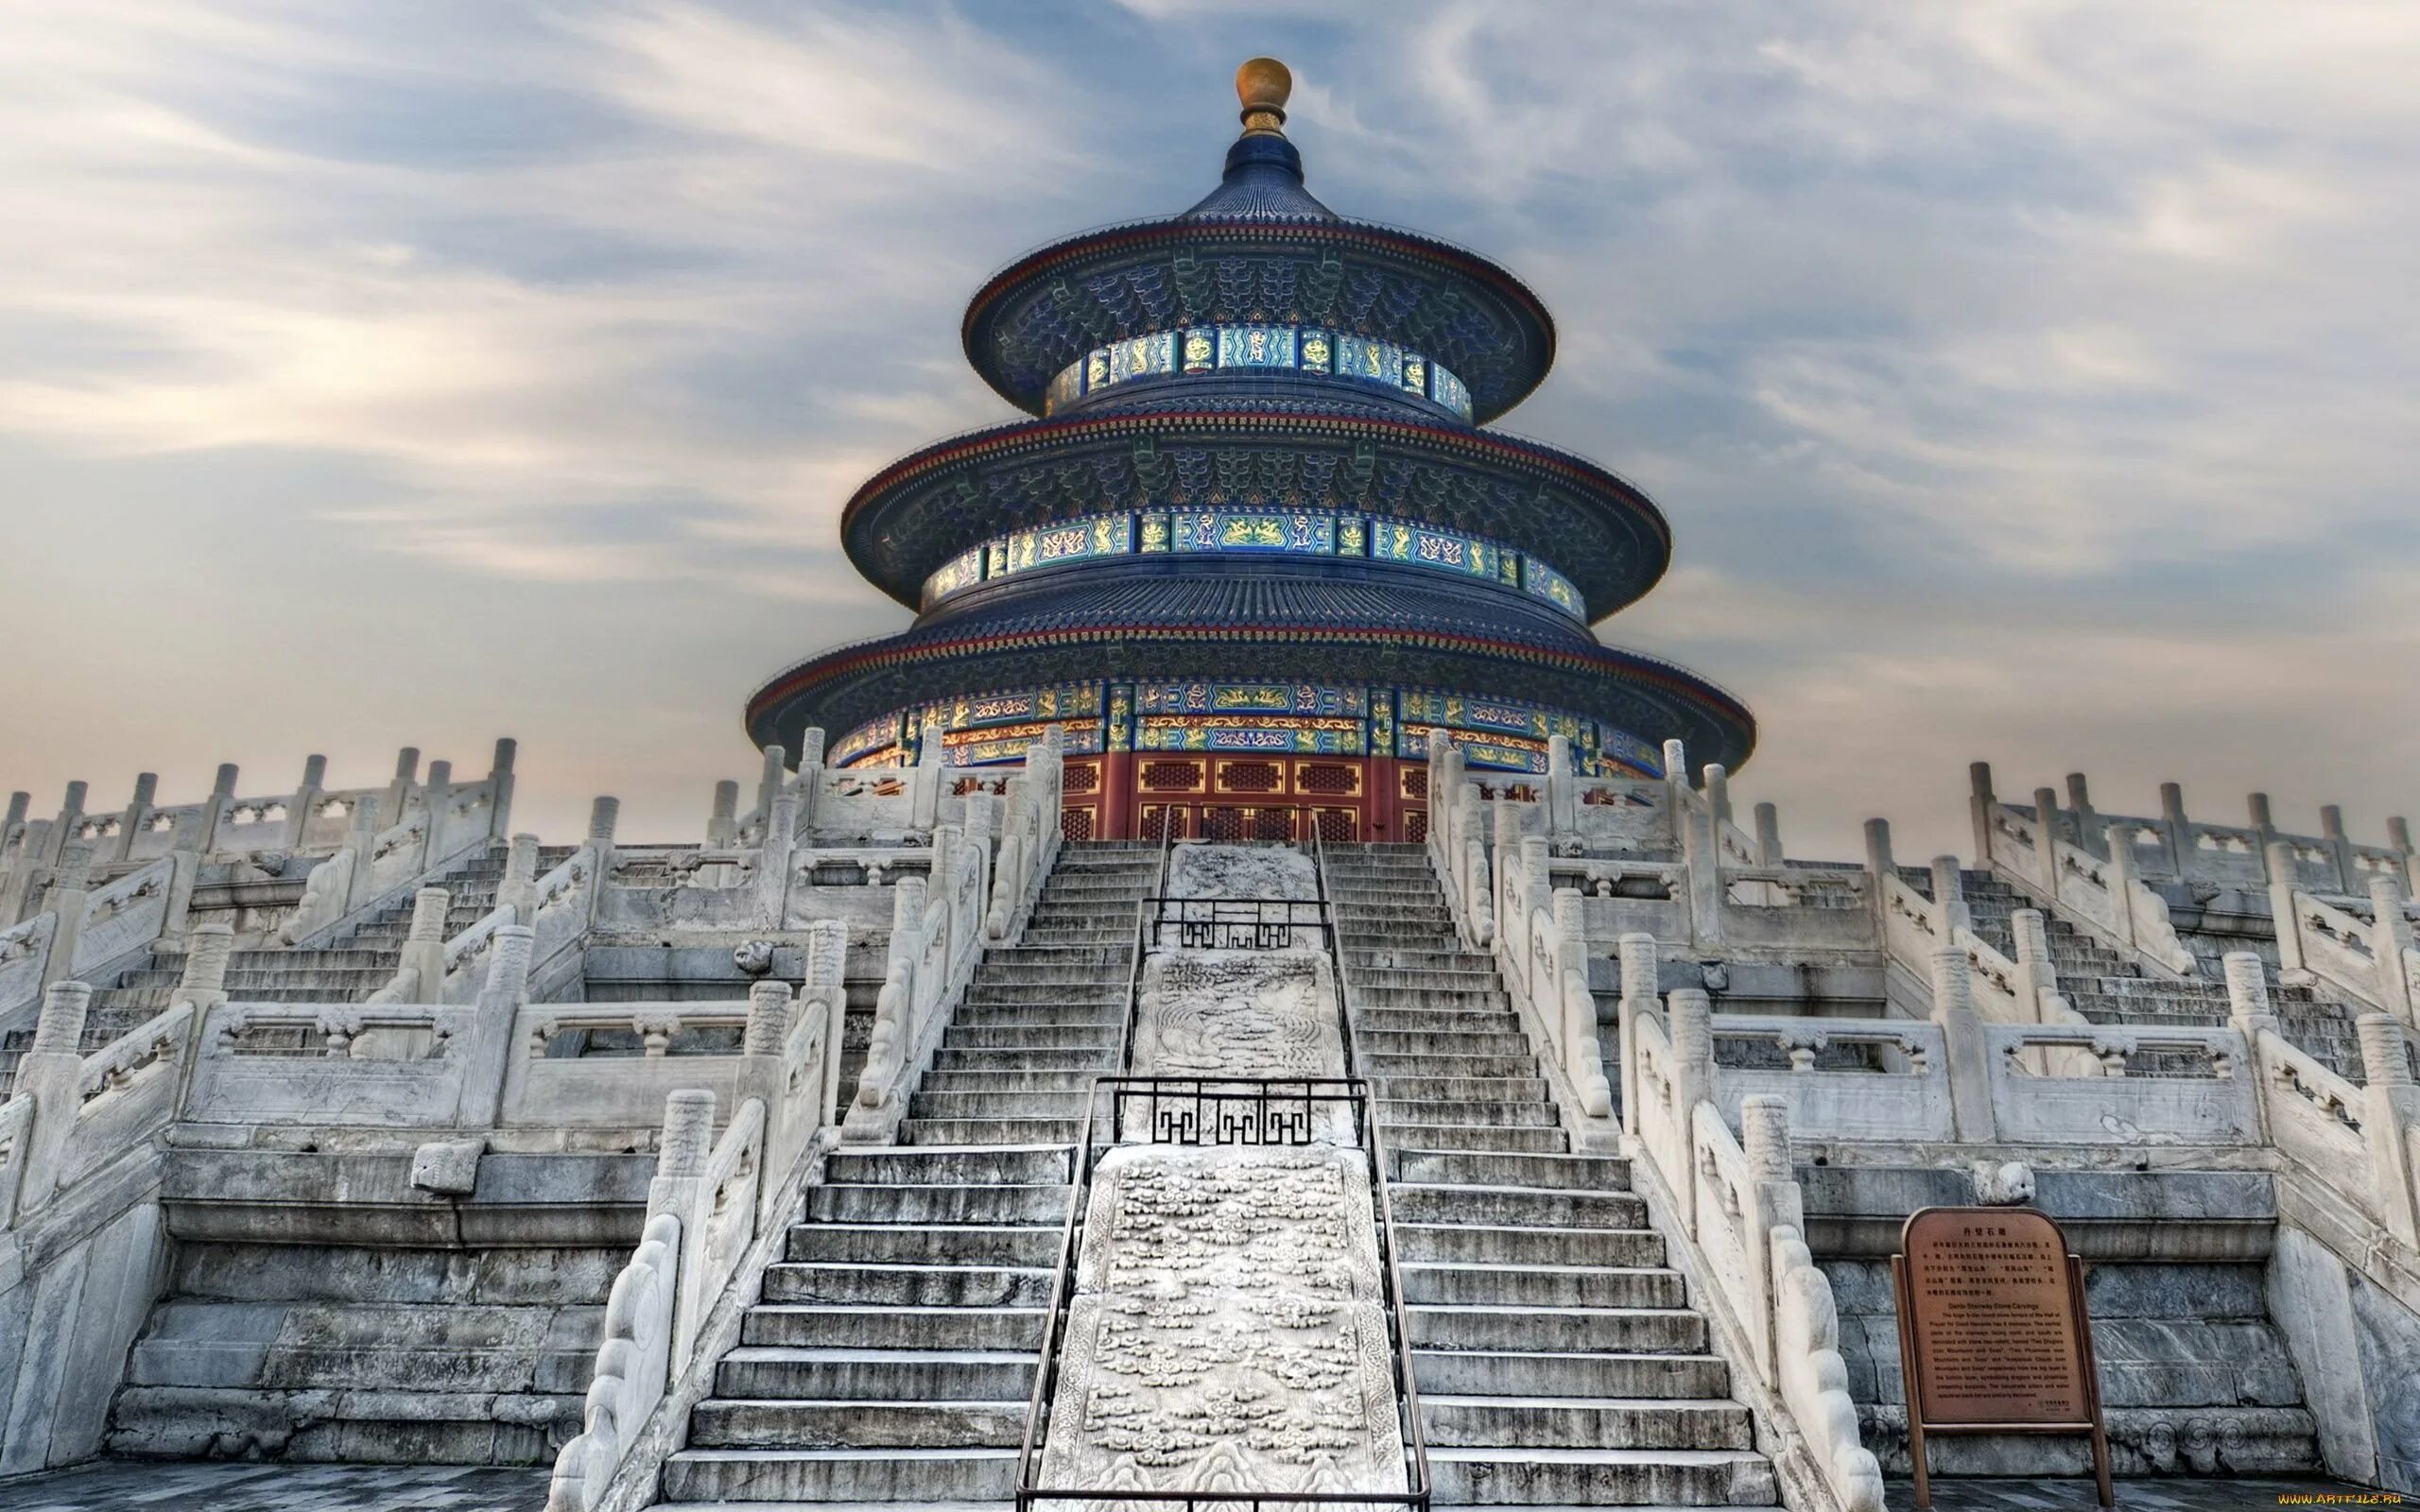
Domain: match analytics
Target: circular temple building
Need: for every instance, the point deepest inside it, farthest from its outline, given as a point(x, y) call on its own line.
point(1254, 545)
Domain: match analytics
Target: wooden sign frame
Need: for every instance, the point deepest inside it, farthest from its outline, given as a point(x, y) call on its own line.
point(1921, 1316)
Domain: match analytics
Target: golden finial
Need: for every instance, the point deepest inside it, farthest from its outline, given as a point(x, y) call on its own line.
point(1263, 84)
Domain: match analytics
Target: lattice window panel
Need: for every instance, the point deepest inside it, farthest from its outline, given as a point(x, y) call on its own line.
point(1251, 776)
point(1081, 777)
point(1159, 819)
point(1415, 781)
point(1272, 824)
point(1415, 825)
point(1181, 776)
point(1226, 825)
point(1327, 780)
point(1076, 824)
point(1343, 826)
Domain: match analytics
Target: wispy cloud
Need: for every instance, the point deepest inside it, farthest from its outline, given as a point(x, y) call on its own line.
point(2033, 380)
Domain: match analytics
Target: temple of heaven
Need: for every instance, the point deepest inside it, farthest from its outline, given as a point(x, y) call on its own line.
point(1254, 543)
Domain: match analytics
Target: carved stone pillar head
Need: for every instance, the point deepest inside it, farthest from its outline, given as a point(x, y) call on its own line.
point(688, 1133)
point(206, 952)
point(429, 907)
point(60, 1031)
point(769, 1018)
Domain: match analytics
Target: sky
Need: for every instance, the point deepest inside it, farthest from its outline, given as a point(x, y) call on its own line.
point(2035, 383)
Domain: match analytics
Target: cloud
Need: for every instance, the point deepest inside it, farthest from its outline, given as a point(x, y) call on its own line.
point(2033, 381)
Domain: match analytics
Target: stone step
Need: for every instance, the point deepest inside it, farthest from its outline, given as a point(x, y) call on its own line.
point(1584, 1423)
point(1517, 1207)
point(318, 1426)
point(975, 1131)
point(1028, 952)
point(982, 1329)
point(1595, 1330)
point(988, 1105)
point(786, 1372)
point(1057, 987)
point(972, 1013)
point(1098, 1058)
point(1392, 1043)
point(1374, 1063)
point(1564, 1373)
point(386, 1347)
point(1446, 999)
point(1473, 1019)
point(861, 1283)
point(1034, 1203)
point(746, 1475)
point(1053, 1080)
point(1459, 1088)
point(851, 1424)
point(1476, 1137)
point(882, 1244)
point(1511, 1245)
point(1543, 1286)
point(1604, 1477)
point(1507, 1116)
point(1587, 1172)
point(1359, 959)
point(877, 1166)
point(1033, 1037)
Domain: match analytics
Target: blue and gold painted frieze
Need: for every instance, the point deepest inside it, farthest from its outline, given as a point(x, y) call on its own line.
point(1279, 532)
point(1279, 348)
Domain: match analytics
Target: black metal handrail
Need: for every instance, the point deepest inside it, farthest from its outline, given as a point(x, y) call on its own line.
point(1219, 1112)
point(1135, 962)
point(1238, 923)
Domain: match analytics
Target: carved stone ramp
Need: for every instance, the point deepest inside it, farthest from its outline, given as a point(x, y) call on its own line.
point(1557, 1358)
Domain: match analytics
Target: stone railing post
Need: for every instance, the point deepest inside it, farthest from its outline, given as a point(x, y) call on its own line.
point(67, 899)
point(52, 1074)
point(518, 891)
point(1764, 1139)
point(147, 787)
point(825, 991)
point(500, 784)
point(2389, 937)
point(12, 827)
point(1639, 986)
point(305, 800)
point(2390, 1103)
point(1980, 800)
point(770, 1006)
point(361, 843)
point(1688, 1015)
point(71, 816)
point(1676, 792)
point(2257, 815)
point(2117, 840)
point(1718, 795)
point(1961, 1031)
point(1703, 853)
point(2339, 848)
point(2176, 829)
point(2088, 827)
point(403, 785)
point(1949, 898)
point(2398, 834)
point(439, 797)
point(808, 781)
point(1879, 864)
point(604, 816)
point(213, 809)
point(487, 1058)
point(770, 780)
point(925, 784)
point(2250, 1015)
point(2046, 842)
point(2037, 976)
point(722, 821)
point(2282, 912)
point(204, 981)
point(425, 947)
point(774, 854)
point(681, 1152)
point(1768, 835)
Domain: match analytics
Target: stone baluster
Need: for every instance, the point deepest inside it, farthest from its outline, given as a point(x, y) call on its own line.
point(681, 1152)
point(2398, 834)
point(1704, 855)
point(137, 814)
point(500, 785)
point(2250, 1015)
point(1768, 835)
point(51, 1076)
point(305, 800)
point(67, 899)
point(1964, 1045)
point(924, 782)
point(1764, 1139)
point(1563, 786)
point(1979, 803)
point(1949, 898)
point(722, 822)
point(2046, 842)
point(775, 857)
point(1879, 864)
point(440, 798)
point(2088, 825)
point(1639, 988)
point(208, 950)
point(2176, 831)
point(488, 1056)
point(62, 829)
point(2037, 976)
point(825, 991)
point(361, 842)
point(770, 780)
point(424, 954)
point(2264, 827)
point(2117, 839)
point(1688, 1017)
point(2339, 848)
point(518, 891)
point(403, 790)
point(2282, 912)
point(2391, 1105)
point(2389, 937)
point(1676, 792)
point(213, 809)
point(12, 828)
